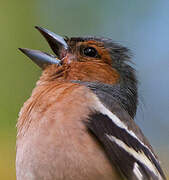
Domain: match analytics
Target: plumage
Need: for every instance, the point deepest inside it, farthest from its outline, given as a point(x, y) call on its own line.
point(78, 122)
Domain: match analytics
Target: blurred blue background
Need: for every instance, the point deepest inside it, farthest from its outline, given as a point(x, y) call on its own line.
point(142, 26)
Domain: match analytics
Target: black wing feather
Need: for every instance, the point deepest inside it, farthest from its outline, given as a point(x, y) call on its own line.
point(103, 127)
point(100, 125)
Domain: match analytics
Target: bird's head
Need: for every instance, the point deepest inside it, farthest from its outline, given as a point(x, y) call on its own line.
point(86, 59)
point(90, 56)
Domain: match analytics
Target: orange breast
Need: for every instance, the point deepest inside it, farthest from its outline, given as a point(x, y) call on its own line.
point(52, 137)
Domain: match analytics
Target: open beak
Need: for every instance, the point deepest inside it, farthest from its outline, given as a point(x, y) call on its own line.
point(42, 59)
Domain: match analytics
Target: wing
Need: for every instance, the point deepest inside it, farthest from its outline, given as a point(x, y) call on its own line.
point(123, 141)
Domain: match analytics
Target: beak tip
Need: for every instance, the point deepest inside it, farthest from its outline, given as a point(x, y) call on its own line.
point(25, 50)
point(38, 28)
point(43, 31)
point(22, 50)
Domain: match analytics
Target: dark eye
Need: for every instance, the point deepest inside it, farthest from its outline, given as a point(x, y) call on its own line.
point(90, 51)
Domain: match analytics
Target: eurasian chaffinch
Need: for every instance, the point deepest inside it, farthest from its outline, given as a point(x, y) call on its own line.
point(78, 123)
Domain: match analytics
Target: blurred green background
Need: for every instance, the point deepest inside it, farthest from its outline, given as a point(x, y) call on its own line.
point(143, 26)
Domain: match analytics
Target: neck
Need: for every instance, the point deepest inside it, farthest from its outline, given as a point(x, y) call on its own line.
point(125, 96)
point(124, 92)
point(121, 85)
point(128, 89)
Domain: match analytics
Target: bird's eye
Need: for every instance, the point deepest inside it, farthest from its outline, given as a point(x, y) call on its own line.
point(90, 51)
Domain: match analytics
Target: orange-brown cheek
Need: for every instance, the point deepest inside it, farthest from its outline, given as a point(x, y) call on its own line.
point(115, 77)
point(88, 71)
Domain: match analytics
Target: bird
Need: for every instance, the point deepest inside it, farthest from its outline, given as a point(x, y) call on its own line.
point(78, 123)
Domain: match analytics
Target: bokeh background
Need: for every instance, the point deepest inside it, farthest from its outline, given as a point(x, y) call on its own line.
point(142, 26)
